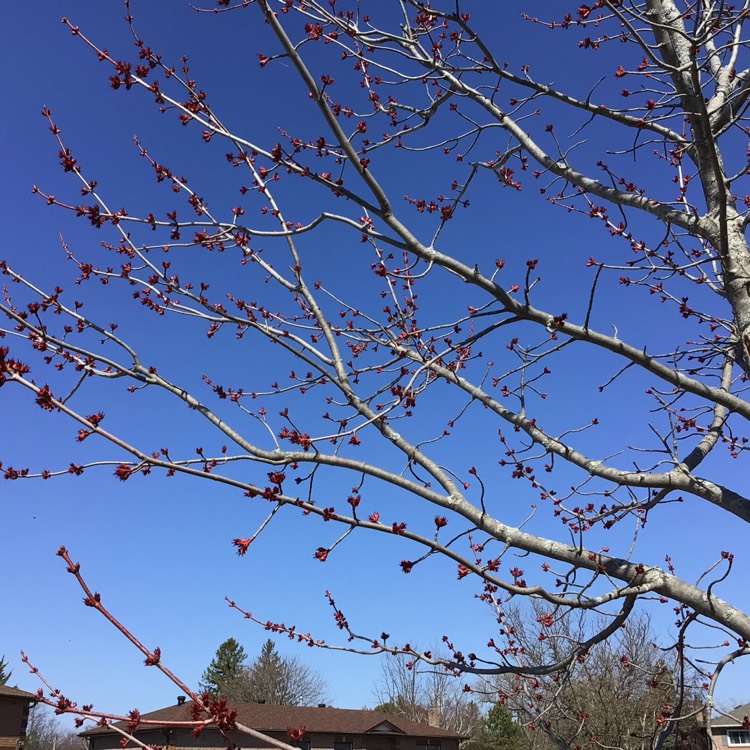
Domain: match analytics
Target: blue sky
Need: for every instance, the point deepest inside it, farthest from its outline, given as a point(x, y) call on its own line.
point(160, 550)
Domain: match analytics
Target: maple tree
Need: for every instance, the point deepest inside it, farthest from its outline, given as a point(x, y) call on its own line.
point(422, 373)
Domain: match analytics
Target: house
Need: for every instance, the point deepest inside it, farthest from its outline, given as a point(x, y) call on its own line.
point(325, 728)
point(732, 729)
point(14, 714)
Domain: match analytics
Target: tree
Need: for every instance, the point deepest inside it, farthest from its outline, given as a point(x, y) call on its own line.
point(435, 697)
point(5, 673)
point(596, 385)
point(225, 668)
point(44, 732)
point(426, 695)
point(282, 680)
point(623, 694)
point(499, 731)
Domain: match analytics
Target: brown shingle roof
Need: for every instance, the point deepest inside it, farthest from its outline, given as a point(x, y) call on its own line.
point(11, 692)
point(735, 717)
point(267, 718)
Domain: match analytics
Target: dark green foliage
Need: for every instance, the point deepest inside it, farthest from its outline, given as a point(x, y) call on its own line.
point(499, 731)
point(225, 668)
point(5, 673)
point(272, 678)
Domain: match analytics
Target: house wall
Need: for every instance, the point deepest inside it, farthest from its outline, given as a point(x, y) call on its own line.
point(720, 741)
point(210, 739)
point(13, 716)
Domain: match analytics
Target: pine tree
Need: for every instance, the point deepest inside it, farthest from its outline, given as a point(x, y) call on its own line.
point(282, 680)
point(268, 678)
point(5, 673)
point(499, 732)
point(225, 668)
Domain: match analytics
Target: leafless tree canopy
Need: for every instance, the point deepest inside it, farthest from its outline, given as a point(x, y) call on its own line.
point(276, 679)
point(616, 697)
point(427, 695)
point(365, 260)
point(45, 732)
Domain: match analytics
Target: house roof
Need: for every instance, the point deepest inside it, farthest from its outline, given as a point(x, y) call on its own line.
point(317, 720)
point(732, 718)
point(11, 692)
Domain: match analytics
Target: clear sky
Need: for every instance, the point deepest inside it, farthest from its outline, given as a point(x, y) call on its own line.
point(160, 550)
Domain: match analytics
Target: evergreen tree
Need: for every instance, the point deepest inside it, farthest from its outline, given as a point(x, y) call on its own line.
point(499, 732)
point(267, 676)
point(5, 673)
point(281, 680)
point(225, 668)
point(272, 678)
